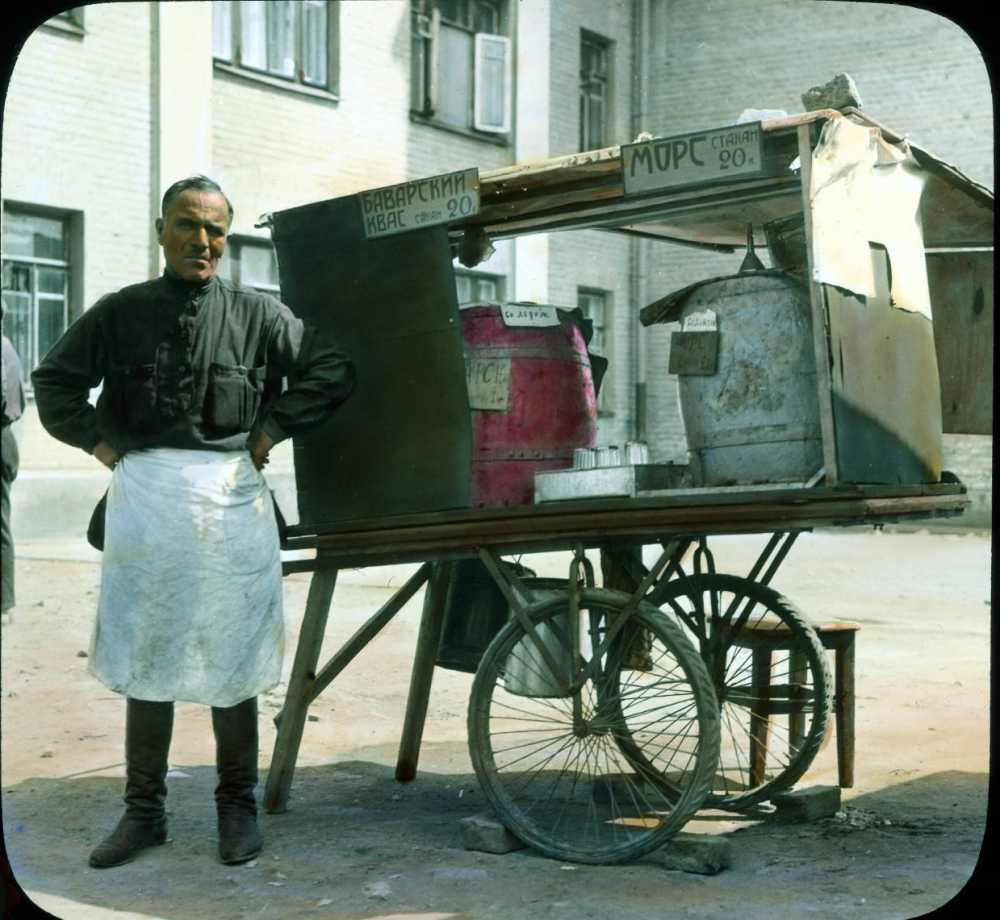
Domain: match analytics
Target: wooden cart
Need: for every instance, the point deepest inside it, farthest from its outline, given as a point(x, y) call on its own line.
point(615, 767)
point(602, 718)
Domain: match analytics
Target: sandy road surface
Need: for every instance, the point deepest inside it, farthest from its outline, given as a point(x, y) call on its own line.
point(355, 844)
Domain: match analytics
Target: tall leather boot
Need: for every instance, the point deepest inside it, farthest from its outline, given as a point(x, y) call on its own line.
point(236, 765)
point(148, 727)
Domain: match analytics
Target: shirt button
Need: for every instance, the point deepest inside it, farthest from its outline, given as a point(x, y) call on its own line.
point(183, 368)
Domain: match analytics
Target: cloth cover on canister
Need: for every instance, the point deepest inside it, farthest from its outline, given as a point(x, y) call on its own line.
point(190, 600)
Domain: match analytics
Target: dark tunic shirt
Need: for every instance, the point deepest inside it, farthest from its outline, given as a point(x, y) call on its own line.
point(188, 366)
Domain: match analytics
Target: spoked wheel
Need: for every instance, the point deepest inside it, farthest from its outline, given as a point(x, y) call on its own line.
point(550, 760)
point(771, 676)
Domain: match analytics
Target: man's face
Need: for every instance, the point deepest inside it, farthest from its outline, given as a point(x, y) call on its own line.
point(193, 234)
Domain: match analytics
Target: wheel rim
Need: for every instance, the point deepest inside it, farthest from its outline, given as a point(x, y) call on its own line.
point(774, 711)
point(552, 762)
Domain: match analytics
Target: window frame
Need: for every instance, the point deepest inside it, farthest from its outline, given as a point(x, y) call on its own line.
point(426, 23)
point(68, 266)
point(474, 277)
point(234, 261)
point(230, 60)
point(585, 92)
point(69, 22)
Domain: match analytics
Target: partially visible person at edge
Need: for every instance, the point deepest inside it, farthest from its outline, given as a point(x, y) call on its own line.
point(190, 598)
point(13, 406)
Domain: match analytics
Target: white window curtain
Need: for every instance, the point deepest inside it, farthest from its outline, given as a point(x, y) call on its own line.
point(253, 35)
point(314, 41)
point(222, 30)
point(492, 83)
point(281, 37)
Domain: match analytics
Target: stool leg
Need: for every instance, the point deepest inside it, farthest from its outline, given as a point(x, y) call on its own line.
point(843, 668)
point(760, 713)
point(798, 672)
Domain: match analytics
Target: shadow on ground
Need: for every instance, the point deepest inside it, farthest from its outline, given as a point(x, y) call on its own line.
point(355, 844)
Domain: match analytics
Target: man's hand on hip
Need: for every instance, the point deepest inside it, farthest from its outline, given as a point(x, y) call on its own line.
point(107, 454)
point(259, 449)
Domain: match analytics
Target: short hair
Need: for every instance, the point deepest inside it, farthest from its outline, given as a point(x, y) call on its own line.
point(195, 184)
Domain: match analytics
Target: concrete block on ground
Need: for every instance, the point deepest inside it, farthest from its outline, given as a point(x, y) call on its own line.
point(839, 93)
point(809, 804)
point(704, 854)
point(487, 833)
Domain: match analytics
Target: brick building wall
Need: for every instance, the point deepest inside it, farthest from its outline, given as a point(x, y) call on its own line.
point(592, 259)
point(916, 72)
point(81, 134)
point(278, 148)
point(77, 138)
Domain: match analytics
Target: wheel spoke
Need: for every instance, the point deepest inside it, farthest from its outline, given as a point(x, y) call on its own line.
point(570, 786)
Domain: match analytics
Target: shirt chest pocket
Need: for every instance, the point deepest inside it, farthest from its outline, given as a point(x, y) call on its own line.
point(232, 398)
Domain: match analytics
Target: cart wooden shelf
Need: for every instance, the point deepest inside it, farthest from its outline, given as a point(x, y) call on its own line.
point(615, 527)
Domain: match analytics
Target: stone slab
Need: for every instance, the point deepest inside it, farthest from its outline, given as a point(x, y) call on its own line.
point(702, 854)
point(486, 833)
point(810, 804)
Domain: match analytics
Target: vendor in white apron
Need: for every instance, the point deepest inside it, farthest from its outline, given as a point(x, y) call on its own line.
point(191, 403)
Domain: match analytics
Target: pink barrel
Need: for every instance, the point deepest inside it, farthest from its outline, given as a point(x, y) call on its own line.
point(533, 402)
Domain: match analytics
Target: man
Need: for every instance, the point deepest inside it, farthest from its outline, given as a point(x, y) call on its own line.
point(13, 406)
point(190, 599)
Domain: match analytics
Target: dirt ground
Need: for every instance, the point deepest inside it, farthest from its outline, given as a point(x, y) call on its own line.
point(355, 844)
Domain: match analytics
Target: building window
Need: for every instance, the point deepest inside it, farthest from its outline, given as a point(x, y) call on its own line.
point(293, 40)
point(462, 70)
point(595, 53)
point(593, 305)
point(68, 21)
point(251, 263)
point(36, 282)
point(473, 286)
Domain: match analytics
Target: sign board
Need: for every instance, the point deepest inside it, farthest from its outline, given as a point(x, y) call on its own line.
point(694, 353)
point(529, 314)
point(420, 203)
point(488, 382)
point(689, 159)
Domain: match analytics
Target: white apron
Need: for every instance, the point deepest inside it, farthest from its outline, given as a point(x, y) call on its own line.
point(190, 601)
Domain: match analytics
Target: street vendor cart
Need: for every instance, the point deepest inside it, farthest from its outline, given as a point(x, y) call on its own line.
point(609, 706)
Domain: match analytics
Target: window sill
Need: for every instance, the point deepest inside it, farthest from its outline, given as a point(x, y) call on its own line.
point(252, 76)
point(64, 28)
point(497, 140)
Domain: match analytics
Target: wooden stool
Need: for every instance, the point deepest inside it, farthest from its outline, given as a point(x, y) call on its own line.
point(837, 637)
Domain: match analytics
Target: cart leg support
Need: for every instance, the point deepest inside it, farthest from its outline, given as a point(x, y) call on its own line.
point(300, 690)
point(425, 657)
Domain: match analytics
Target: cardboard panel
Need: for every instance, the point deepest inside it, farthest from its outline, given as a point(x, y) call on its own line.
point(402, 443)
point(961, 285)
point(885, 394)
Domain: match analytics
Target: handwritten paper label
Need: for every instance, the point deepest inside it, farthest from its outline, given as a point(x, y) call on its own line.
point(488, 383)
point(529, 314)
point(705, 321)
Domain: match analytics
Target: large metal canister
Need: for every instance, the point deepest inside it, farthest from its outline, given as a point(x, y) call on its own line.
point(754, 418)
point(527, 673)
point(533, 400)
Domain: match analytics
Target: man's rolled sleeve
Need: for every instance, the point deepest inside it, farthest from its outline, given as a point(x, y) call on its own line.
point(63, 381)
point(321, 377)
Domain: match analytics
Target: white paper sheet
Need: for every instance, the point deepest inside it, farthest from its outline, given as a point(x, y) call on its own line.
point(866, 191)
